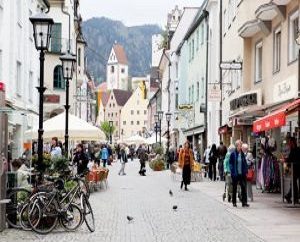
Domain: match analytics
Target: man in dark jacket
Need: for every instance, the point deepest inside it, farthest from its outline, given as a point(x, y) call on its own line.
point(293, 159)
point(80, 159)
point(238, 169)
point(222, 151)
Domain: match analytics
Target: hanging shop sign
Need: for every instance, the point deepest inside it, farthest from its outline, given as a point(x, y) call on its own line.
point(214, 93)
point(285, 90)
point(245, 100)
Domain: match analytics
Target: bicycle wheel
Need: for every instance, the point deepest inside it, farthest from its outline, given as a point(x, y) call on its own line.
point(24, 221)
point(87, 212)
point(43, 216)
point(18, 198)
point(24, 215)
point(72, 218)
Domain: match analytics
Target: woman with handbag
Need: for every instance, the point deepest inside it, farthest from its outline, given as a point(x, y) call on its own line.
point(186, 163)
point(250, 173)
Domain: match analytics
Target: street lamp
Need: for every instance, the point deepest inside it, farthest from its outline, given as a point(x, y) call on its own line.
point(42, 26)
point(156, 124)
point(68, 62)
point(111, 123)
point(160, 117)
point(168, 118)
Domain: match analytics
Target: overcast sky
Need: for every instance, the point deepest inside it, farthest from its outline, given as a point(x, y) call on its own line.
point(133, 12)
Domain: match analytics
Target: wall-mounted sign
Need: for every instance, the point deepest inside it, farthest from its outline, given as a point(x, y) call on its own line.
point(285, 90)
point(244, 101)
point(51, 98)
point(185, 107)
point(214, 93)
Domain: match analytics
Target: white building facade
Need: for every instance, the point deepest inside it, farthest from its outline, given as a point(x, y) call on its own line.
point(19, 68)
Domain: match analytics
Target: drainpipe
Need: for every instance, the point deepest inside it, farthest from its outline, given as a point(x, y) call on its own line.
point(221, 59)
point(66, 13)
point(206, 77)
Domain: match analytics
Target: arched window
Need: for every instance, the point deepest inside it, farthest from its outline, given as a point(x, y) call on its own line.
point(58, 79)
point(112, 69)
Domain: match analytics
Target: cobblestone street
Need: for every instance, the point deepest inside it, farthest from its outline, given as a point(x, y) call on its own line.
point(147, 199)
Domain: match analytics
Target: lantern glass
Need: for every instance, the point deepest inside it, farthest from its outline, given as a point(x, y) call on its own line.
point(168, 116)
point(160, 115)
point(110, 124)
point(156, 118)
point(42, 26)
point(68, 62)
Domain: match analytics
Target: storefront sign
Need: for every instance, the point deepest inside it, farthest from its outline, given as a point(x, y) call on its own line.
point(285, 90)
point(244, 101)
point(243, 121)
point(51, 98)
point(214, 93)
point(185, 107)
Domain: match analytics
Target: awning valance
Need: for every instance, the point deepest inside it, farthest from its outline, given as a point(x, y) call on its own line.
point(275, 119)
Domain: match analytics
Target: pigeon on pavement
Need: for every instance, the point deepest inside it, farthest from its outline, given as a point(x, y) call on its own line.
point(171, 193)
point(129, 218)
point(175, 207)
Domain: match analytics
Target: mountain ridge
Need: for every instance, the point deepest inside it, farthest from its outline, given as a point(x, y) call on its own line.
point(101, 33)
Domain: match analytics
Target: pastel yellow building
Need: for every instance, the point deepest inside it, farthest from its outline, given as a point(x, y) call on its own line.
point(134, 114)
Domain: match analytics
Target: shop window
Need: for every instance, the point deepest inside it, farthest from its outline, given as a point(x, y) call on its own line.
point(258, 61)
point(58, 79)
point(293, 33)
point(277, 50)
point(56, 38)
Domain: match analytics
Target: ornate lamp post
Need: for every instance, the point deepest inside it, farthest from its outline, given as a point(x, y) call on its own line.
point(160, 117)
point(42, 26)
point(68, 62)
point(111, 123)
point(168, 118)
point(156, 126)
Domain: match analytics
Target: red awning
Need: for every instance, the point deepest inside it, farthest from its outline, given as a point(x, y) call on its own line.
point(275, 119)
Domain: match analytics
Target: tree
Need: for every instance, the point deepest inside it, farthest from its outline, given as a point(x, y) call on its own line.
point(106, 129)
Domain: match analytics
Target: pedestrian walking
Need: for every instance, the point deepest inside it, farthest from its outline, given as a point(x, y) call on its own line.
point(213, 157)
point(110, 155)
point(143, 157)
point(186, 163)
point(228, 180)
point(238, 170)
point(222, 151)
point(206, 160)
point(250, 173)
point(80, 159)
point(104, 155)
point(123, 160)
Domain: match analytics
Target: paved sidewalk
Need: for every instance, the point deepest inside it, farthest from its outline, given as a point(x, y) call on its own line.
point(200, 217)
point(267, 217)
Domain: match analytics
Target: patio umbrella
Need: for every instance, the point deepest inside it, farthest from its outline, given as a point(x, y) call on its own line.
point(79, 129)
point(152, 140)
point(136, 139)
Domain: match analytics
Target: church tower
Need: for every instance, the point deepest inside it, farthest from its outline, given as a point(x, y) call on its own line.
point(117, 69)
